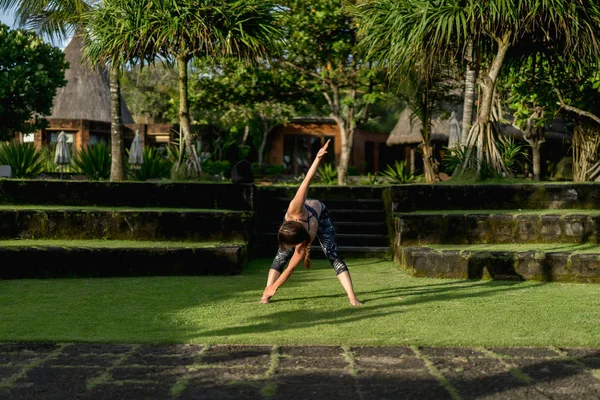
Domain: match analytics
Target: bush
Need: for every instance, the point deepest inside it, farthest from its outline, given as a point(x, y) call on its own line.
point(216, 168)
point(94, 162)
point(353, 171)
point(24, 159)
point(399, 173)
point(155, 166)
point(372, 179)
point(327, 174)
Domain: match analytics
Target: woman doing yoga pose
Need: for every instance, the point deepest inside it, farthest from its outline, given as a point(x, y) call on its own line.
point(305, 220)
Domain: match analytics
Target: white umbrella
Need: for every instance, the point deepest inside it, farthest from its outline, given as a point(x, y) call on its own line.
point(454, 136)
point(62, 155)
point(136, 152)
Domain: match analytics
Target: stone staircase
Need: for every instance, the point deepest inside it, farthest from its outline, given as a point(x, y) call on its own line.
point(358, 214)
point(547, 232)
point(96, 229)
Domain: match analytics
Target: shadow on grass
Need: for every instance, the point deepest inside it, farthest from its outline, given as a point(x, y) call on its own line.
point(395, 298)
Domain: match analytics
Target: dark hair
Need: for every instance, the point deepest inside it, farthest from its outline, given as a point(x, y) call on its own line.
point(292, 233)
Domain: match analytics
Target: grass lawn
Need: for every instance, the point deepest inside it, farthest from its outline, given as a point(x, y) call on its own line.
point(310, 309)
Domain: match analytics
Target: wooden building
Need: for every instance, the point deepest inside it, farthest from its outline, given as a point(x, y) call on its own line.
point(294, 145)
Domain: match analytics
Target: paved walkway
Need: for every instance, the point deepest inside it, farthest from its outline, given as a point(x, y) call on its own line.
point(112, 371)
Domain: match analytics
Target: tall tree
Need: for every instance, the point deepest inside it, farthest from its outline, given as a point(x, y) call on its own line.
point(399, 32)
point(56, 19)
point(179, 30)
point(31, 72)
point(322, 44)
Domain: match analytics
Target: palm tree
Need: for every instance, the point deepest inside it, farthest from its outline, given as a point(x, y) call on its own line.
point(396, 33)
point(177, 31)
point(57, 19)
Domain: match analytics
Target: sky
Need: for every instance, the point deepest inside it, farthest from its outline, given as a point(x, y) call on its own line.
point(8, 18)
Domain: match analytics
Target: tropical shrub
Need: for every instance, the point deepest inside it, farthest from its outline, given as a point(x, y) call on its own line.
point(94, 162)
point(513, 154)
point(372, 179)
point(24, 159)
point(216, 167)
point(399, 173)
point(327, 174)
point(155, 166)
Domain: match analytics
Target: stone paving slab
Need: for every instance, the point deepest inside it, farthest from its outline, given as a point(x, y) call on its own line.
point(91, 371)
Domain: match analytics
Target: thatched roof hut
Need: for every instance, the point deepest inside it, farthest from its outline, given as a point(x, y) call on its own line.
point(408, 130)
point(86, 95)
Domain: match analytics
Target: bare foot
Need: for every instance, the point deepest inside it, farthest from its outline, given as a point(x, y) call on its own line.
point(265, 300)
point(355, 302)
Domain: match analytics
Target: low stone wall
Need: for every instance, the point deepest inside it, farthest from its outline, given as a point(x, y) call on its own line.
point(88, 224)
point(529, 265)
point(414, 229)
point(406, 198)
point(132, 194)
point(59, 262)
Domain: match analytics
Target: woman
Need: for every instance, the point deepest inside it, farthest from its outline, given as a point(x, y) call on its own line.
point(303, 221)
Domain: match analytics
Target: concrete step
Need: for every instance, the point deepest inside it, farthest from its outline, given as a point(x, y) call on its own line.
point(119, 223)
point(550, 262)
point(510, 226)
point(364, 240)
point(357, 228)
point(80, 258)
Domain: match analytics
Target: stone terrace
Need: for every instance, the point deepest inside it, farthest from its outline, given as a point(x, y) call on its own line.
point(546, 232)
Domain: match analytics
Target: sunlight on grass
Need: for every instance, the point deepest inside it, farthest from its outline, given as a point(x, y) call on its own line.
point(310, 309)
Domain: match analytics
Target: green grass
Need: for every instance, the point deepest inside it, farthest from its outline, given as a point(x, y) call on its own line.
point(104, 244)
point(587, 248)
point(311, 309)
point(561, 212)
point(41, 208)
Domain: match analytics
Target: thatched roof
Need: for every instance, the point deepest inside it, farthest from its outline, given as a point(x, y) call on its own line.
point(87, 93)
point(408, 130)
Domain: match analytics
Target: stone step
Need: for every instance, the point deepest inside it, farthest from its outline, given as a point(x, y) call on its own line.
point(357, 228)
point(80, 258)
point(128, 194)
point(268, 239)
point(119, 223)
point(495, 196)
point(551, 262)
point(323, 193)
point(337, 215)
point(331, 204)
point(344, 251)
point(512, 226)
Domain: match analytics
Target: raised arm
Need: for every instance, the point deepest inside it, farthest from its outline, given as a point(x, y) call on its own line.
point(297, 203)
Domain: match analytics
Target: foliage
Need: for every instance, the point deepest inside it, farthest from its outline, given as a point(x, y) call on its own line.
point(513, 154)
point(94, 162)
point(151, 93)
point(372, 179)
point(454, 158)
point(327, 174)
point(268, 169)
point(321, 45)
point(31, 72)
point(155, 166)
point(217, 167)
point(24, 159)
point(399, 173)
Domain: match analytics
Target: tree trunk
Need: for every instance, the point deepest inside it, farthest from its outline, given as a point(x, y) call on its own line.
point(537, 163)
point(430, 165)
point(347, 139)
point(117, 150)
point(481, 134)
point(187, 144)
point(263, 144)
point(470, 79)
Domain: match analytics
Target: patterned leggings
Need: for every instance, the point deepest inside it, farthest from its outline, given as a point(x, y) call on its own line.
point(326, 235)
